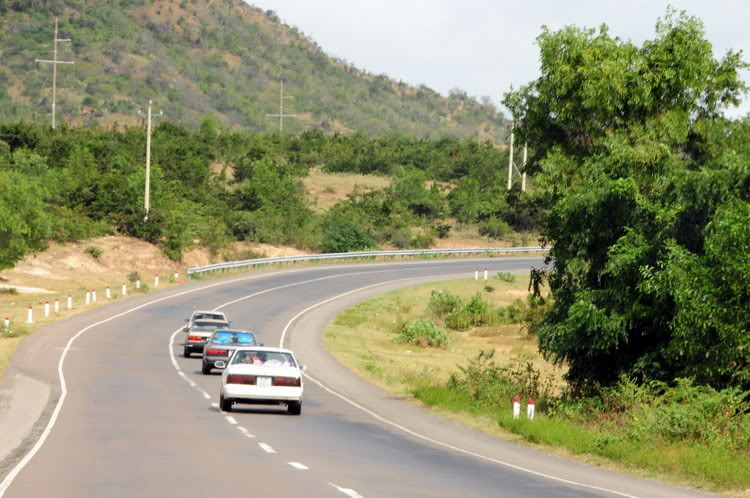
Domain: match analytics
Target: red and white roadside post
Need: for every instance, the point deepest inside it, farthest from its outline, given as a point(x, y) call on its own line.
point(108, 293)
point(124, 290)
point(138, 284)
point(485, 273)
point(93, 296)
point(156, 281)
point(176, 276)
point(476, 274)
point(57, 305)
point(29, 315)
point(46, 309)
point(517, 407)
point(7, 324)
point(88, 297)
point(530, 408)
point(70, 302)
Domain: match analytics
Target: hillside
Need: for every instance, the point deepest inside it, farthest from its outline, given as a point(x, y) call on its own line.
point(207, 57)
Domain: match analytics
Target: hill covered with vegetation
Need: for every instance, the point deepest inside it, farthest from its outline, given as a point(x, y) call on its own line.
point(194, 58)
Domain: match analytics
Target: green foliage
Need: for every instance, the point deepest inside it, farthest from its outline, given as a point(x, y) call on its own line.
point(95, 252)
point(423, 333)
point(442, 303)
point(23, 221)
point(133, 276)
point(646, 199)
point(505, 276)
point(11, 291)
point(476, 312)
point(344, 234)
point(489, 288)
point(494, 228)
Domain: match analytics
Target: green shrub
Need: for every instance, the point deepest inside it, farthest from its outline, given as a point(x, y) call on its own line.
point(14, 330)
point(505, 276)
point(401, 238)
point(458, 320)
point(133, 276)
point(11, 291)
point(95, 252)
point(476, 312)
point(345, 235)
point(494, 228)
point(442, 230)
point(489, 288)
point(442, 302)
point(423, 333)
point(422, 241)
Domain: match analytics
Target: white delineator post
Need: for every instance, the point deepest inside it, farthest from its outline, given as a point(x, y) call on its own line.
point(517, 407)
point(88, 297)
point(108, 293)
point(7, 323)
point(156, 281)
point(485, 273)
point(530, 409)
point(29, 315)
point(124, 290)
point(57, 305)
point(46, 309)
point(70, 302)
point(476, 274)
point(138, 284)
point(176, 276)
point(93, 296)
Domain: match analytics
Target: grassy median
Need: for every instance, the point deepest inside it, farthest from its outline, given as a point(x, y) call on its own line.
point(680, 434)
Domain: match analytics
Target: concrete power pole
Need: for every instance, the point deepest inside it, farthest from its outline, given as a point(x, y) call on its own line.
point(147, 193)
point(281, 114)
point(54, 63)
point(512, 165)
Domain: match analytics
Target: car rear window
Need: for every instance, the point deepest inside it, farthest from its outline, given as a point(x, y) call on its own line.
point(208, 316)
point(209, 326)
point(265, 358)
point(234, 338)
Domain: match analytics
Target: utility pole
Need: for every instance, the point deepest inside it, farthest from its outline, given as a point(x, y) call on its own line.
point(54, 63)
point(512, 165)
point(147, 193)
point(281, 114)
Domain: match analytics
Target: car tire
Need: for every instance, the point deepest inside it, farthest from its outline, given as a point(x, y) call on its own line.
point(295, 407)
point(206, 368)
point(225, 404)
point(186, 353)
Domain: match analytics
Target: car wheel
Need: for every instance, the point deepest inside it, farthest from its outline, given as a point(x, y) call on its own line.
point(295, 407)
point(225, 404)
point(186, 353)
point(206, 368)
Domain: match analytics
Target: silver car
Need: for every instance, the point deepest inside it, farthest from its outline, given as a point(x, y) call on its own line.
point(198, 333)
point(222, 343)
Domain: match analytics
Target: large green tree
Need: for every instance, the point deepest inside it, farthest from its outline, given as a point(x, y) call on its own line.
point(646, 189)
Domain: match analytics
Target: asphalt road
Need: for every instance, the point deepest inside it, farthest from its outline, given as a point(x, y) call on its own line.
point(137, 419)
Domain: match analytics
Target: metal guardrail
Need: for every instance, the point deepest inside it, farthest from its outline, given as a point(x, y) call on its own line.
point(248, 263)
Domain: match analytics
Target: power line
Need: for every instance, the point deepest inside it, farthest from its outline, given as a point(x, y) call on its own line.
point(54, 63)
point(281, 114)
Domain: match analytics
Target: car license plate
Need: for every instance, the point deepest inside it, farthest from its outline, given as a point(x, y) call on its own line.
point(264, 381)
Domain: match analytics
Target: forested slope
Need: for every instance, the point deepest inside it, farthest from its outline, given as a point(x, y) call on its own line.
point(199, 57)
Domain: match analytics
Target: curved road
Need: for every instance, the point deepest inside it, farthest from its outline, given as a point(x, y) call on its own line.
point(135, 419)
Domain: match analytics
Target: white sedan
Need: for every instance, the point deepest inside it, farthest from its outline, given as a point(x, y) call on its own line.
point(262, 375)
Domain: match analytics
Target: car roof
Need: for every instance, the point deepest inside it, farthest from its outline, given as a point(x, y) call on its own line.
point(210, 320)
point(264, 348)
point(208, 311)
point(234, 331)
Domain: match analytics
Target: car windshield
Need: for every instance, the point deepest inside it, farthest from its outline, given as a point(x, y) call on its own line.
point(234, 338)
point(209, 326)
point(208, 316)
point(265, 358)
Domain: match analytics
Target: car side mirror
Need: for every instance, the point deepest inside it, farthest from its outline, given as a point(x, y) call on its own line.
point(220, 364)
point(185, 329)
point(302, 368)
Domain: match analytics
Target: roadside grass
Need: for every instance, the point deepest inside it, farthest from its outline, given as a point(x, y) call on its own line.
point(326, 189)
point(361, 338)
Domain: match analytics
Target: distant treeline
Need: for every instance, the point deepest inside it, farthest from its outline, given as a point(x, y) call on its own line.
point(215, 186)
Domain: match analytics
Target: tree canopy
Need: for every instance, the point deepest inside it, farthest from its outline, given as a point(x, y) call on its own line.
point(645, 187)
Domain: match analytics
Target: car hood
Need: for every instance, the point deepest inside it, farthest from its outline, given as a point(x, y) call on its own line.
point(278, 371)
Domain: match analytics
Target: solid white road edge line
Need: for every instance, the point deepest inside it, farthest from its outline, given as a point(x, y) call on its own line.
point(267, 448)
point(298, 465)
point(423, 437)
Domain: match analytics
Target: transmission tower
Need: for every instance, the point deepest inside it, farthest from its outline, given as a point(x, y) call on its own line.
point(54, 63)
point(281, 114)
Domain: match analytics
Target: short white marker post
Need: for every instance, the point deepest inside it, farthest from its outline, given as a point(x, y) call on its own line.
point(108, 293)
point(29, 315)
point(88, 297)
point(124, 290)
point(93, 296)
point(476, 274)
point(517, 407)
point(176, 276)
point(138, 284)
point(46, 309)
point(7, 323)
point(156, 281)
point(70, 302)
point(485, 273)
point(57, 305)
point(530, 409)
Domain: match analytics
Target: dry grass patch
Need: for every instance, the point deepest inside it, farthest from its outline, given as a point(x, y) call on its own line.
point(326, 189)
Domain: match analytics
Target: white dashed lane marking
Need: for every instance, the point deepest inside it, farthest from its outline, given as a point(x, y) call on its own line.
point(215, 405)
point(231, 420)
point(242, 429)
point(347, 491)
point(206, 395)
point(298, 465)
point(249, 435)
point(267, 448)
